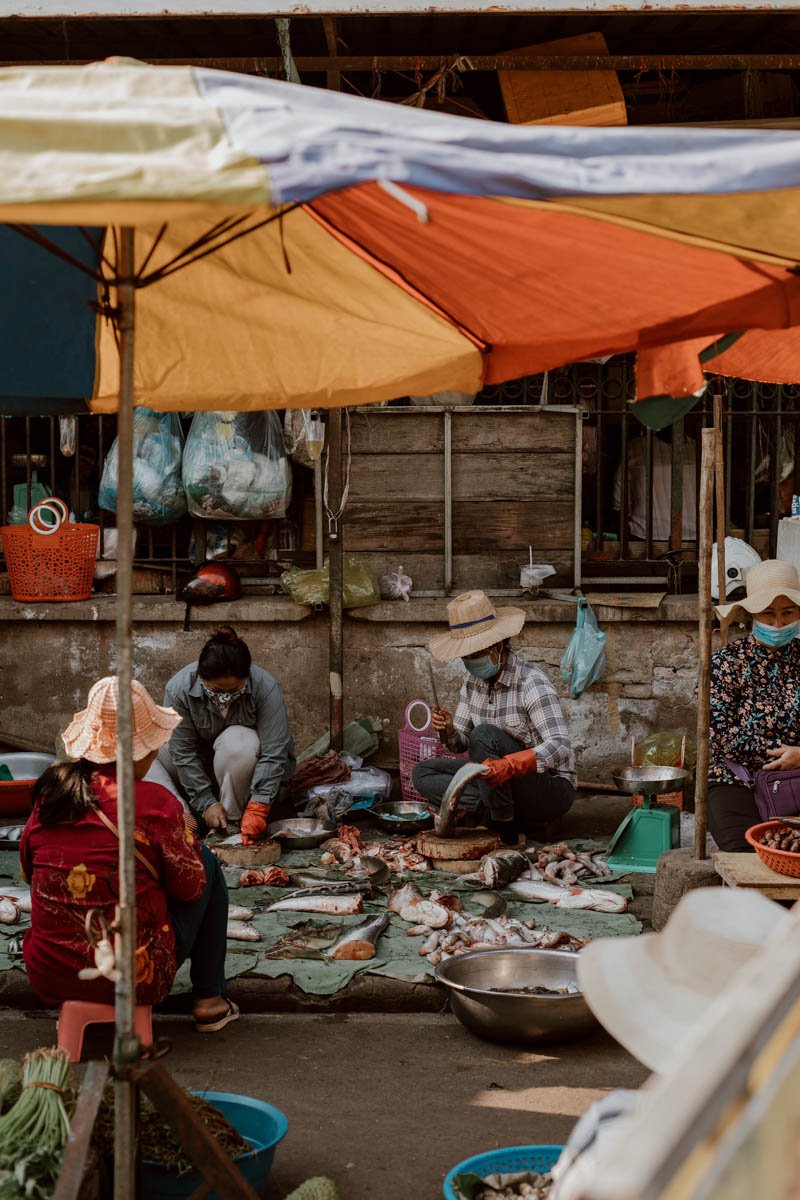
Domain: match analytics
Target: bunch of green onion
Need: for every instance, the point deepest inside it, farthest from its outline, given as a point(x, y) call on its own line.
point(34, 1131)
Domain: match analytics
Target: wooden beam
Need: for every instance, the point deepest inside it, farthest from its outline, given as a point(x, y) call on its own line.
point(334, 77)
point(76, 1151)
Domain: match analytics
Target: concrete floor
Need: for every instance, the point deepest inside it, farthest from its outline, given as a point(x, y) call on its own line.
point(384, 1103)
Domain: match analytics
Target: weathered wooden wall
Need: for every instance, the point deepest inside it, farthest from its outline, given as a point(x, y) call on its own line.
point(513, 486)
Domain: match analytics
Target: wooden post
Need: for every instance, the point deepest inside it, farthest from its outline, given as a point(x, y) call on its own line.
point(705, 538)
point(719, 476)
point(335, 567)
point(126, 1043)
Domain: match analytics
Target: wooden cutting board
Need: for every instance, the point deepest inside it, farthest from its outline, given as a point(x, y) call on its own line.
point(468, 845)
point(262, 855)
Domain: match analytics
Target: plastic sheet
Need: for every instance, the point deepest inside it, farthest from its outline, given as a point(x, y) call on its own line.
point(235, 467)
point(158, 495)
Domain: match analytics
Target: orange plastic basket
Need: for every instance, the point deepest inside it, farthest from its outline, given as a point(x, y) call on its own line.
point(782, 861)
point(56, 565)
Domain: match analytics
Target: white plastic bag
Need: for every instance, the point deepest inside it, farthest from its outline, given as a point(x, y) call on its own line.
point(235, 467)
point(396, 585)
point(158, 495)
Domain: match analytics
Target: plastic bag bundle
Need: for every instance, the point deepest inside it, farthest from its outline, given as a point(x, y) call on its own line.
point(235, 467)
point(359, 588)
point(158, 495)
point(396, 585)
point(584, 660)
point(304, 436)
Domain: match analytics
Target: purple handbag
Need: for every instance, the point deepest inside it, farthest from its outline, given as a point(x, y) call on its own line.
point(776, 793)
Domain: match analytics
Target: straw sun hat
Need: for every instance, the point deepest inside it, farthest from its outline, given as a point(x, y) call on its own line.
point(649, 992)
point(764, 583)
point(92, 733)
point(475, 624)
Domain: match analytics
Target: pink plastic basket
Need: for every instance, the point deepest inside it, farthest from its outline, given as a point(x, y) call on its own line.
point(416, 743)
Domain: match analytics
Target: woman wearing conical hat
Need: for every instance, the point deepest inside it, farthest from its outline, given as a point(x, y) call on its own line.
point(755, 700)
point(508, 716)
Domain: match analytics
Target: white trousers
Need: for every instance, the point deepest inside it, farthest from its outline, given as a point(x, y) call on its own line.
point(236, 752)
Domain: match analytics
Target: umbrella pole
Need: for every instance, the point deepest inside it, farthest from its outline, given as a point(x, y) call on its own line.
point(126, 1044)
point(335, 567)
point(705, 539)
point(719, 468)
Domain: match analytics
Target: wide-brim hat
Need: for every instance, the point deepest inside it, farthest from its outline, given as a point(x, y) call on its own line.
point(649, 992)
point(475, 624)
point(92, 733)
point(764, 582)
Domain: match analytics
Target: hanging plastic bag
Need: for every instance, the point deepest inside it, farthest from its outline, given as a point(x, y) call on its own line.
point(304, 436)
point(67, 435)
point(584, 660)
point(359, 588)
point(235, 467)
point(158, 495)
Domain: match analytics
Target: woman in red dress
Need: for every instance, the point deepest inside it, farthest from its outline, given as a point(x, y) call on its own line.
point(70, 854)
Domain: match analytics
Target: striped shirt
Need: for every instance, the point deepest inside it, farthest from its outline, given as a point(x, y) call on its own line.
point(522, 701)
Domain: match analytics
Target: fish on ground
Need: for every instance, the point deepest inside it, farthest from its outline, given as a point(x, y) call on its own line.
point(358, 943)
point(236, 912)
point(500, 868)
point(598, 899)
point(21, 896)
point(239, 931)
point(307, 940)
point(264, 877)
point(467, 932)
point(334, 906)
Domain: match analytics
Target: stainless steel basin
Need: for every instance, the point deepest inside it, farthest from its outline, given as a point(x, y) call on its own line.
point(503, 1016)
point(651, 780)
point(23, 765)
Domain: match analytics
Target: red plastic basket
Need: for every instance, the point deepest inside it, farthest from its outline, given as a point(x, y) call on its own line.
point(782, 861)
point(416, 743)
point(50, 560)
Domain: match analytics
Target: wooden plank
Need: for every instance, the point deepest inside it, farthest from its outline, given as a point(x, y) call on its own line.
point(748, 871)
point(415, 431)
point(76, 1151)
point(478, 526)
point(508, 476)
point(564, 97)
point(494, 572)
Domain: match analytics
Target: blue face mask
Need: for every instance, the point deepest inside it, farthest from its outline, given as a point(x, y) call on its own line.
point(772, 636)
point(481, 668)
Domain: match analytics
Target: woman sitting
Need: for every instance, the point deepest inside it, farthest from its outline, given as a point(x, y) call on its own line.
point(70, 852)
point(755, 700)
point(229, 756)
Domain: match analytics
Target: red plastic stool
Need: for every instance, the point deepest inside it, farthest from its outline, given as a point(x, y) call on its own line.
point(75, 1015)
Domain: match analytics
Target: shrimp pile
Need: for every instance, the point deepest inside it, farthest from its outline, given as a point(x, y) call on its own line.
point(560, 864)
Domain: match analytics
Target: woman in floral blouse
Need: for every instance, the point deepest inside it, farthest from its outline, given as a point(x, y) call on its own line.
point(755, 700)
point(70, 849)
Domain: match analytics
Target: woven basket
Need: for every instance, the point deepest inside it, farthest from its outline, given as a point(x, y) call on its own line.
point(782, 861)
point(416, 743)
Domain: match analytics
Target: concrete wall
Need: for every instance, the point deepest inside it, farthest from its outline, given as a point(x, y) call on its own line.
point(51, 654)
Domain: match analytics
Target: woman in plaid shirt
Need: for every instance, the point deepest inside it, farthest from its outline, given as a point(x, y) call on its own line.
point(508, 717)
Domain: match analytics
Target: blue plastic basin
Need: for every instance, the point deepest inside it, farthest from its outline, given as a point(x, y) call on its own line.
point(508, 1161)
point(262, 1124)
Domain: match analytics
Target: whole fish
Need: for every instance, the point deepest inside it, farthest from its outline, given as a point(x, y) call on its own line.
point(333, 906)
point(335, 887)
point(236, 912)
point(502, 867)
point(306, 941)
point(358, 942)
point(572, 897)
point(239, 931)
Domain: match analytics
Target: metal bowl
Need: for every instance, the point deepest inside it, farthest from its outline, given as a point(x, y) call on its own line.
point(499, 1017)
point(402, 816)
point(650, 780)
point(301, 833)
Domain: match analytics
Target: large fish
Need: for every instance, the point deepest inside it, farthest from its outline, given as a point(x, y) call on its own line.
point(501, 867)
point(358, 942)
point(315, 902)
point(573, 897)
point(334, 887)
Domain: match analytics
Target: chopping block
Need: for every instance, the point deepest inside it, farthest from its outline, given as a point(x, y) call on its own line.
point(460, 853)
point(262, 855)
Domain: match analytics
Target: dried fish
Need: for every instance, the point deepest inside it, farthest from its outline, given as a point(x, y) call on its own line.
point(240, 932)
point(359, 941)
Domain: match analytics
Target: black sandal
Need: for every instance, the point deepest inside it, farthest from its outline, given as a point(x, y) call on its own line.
point(214, 1024)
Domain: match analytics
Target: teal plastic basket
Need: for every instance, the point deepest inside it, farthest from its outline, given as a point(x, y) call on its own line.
point(508, 1161)
point(260, 1123)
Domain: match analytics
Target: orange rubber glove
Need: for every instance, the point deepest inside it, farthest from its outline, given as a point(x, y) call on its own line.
point(500, 770)
point(254, 822)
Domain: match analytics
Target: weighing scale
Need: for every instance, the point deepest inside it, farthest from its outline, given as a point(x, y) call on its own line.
point(647, 832)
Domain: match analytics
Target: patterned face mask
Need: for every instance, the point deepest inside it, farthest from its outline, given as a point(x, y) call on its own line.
point(221, 700)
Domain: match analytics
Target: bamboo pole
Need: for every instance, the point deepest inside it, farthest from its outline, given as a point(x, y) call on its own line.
point(126, 1044)
point(705, 538)
point(719, 477)
point(335, 587)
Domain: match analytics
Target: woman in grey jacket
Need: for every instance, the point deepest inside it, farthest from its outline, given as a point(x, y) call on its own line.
point(232, 751)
